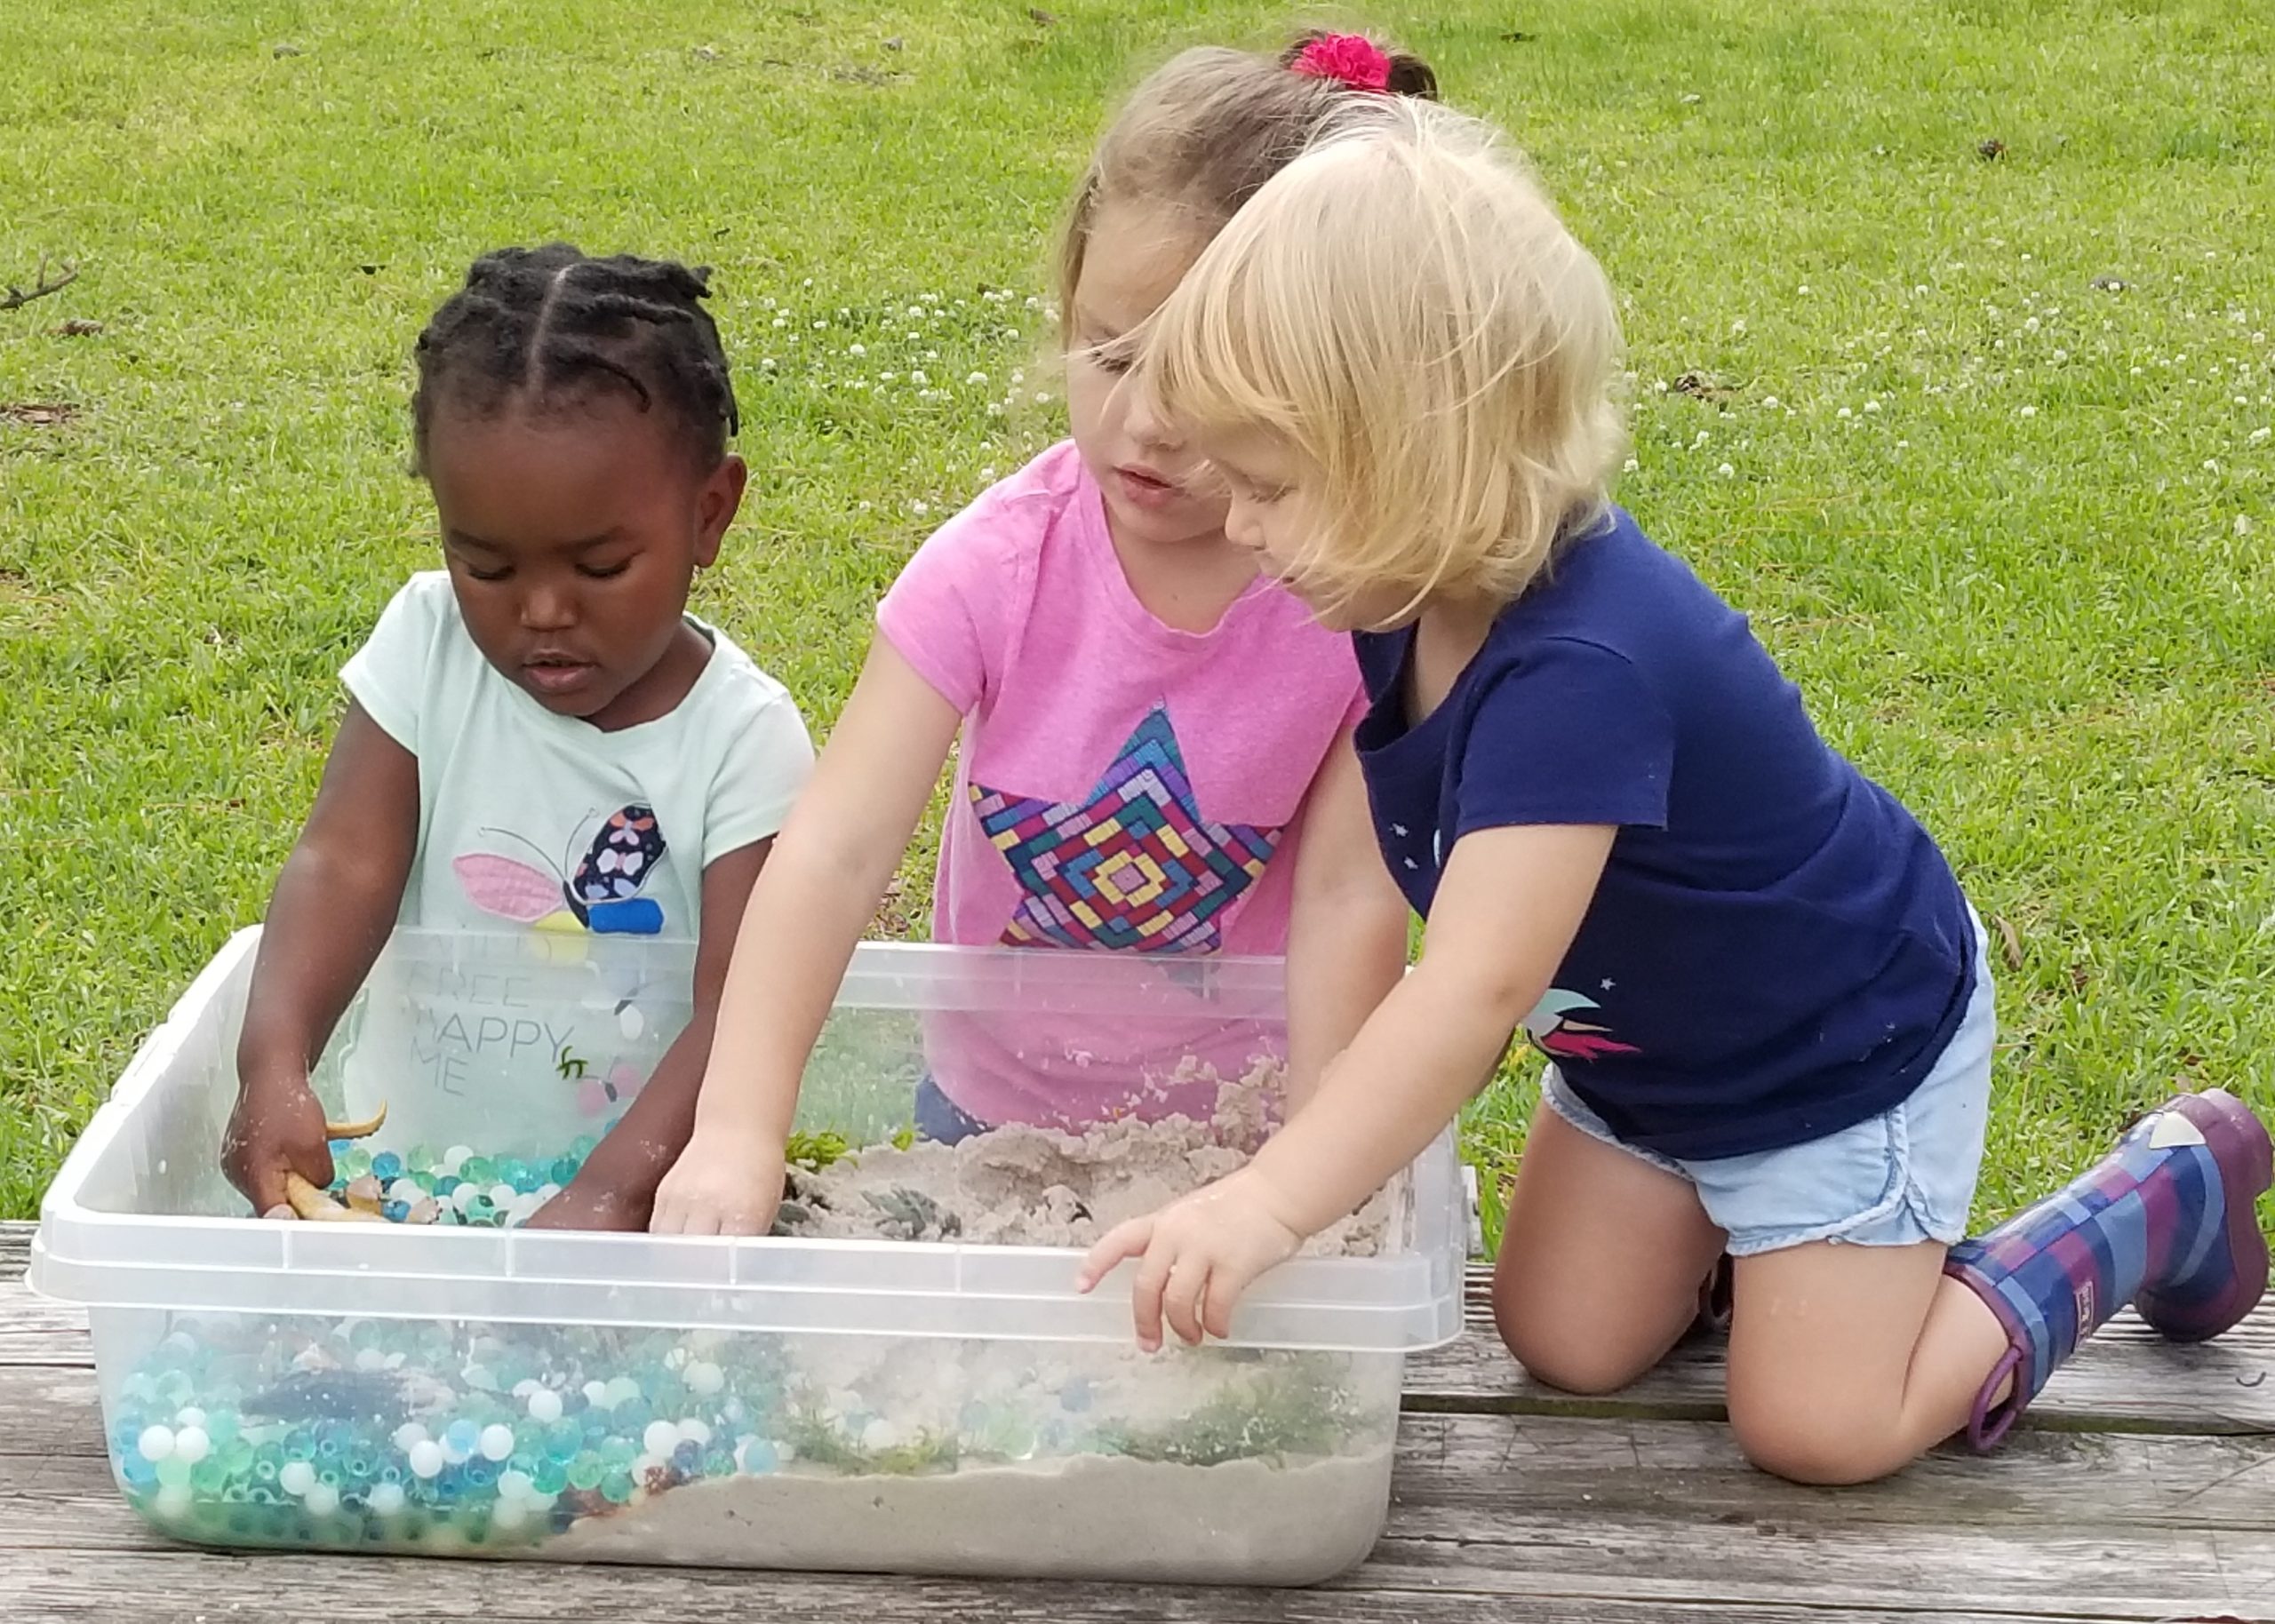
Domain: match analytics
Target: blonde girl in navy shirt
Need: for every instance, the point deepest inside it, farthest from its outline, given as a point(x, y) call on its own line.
point(1765, 1005)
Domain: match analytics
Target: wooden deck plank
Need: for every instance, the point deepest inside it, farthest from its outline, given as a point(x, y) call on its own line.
point(1792, 1547)
point(284, 1590)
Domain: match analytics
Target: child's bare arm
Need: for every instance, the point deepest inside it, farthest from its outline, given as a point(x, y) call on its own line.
point(829, 869)
point(1507, 907)
point(617, 1187)
point(335, 904)
point(1346, 930)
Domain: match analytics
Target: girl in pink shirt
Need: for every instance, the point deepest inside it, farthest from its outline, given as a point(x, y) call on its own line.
point(1155, 741)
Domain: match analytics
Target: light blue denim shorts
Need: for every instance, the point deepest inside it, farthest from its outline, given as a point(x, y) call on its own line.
point(1904, 1176)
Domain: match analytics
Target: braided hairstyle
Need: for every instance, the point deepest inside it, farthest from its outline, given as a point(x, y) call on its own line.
point(541, 324)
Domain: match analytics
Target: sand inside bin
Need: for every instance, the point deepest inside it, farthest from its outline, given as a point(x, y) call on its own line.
point(1019, 1185)
point(1249, 1522)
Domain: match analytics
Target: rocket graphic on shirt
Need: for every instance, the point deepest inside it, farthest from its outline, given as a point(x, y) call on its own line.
point(1134, 865)
point(1555, 1033)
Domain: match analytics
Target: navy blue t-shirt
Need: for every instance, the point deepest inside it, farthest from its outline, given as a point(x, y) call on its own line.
point(1777, 950)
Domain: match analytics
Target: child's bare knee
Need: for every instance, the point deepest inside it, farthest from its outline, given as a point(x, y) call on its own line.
point(1573, 1363)
point(1827, 1450)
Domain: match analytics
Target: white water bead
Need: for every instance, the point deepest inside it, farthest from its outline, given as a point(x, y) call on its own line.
point(596, 1395)
point(503, 1196)
point(384, 1499)
point(408, 1437)
point(704, 1378)
point(321, 1499)
point(156, 1444)
point(174, 1500)
point(296, 1479)
point(661, 1438)
point(497, 1441)
point(455, 1157)
point(426, 1458)
point(696, 1432)
point(545, 1406)
point(509, 1514)
point(515, 1485)
point(189, 1415)
point(191, 1444)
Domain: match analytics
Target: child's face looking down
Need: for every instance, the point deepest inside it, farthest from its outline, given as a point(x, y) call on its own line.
point(572, 538)
point(1134, 259)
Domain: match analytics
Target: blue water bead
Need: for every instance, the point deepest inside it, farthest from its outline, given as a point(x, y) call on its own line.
point(137, 1474)
point(688, 1456)
point(462, 1437)
point(563, 1169)
point(338, 1147)
point(448, 1182)
point(394, 1212)
point(757, 1457)
point(630, 1418)
point(520, 1174)
point(386, 1167)
point(481, 1473)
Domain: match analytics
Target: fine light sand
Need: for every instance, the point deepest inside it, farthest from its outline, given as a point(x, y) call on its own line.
point(1087, 1517)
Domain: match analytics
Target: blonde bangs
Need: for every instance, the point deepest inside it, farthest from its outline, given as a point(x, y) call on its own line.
point(1403, 306)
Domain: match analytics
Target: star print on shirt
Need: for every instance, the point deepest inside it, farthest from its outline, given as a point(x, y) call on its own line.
point(1135, 865)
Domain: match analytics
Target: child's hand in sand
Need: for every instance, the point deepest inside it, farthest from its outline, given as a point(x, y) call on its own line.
point(721, 1184)
point(1195, 1257)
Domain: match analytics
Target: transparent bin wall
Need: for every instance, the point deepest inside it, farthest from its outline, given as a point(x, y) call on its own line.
point(527, 1047)
point(911, 1454)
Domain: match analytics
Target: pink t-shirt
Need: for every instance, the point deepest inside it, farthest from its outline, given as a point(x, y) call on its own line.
point(1122, 783)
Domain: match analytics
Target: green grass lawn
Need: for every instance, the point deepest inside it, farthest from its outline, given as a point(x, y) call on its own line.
point(2007, 522)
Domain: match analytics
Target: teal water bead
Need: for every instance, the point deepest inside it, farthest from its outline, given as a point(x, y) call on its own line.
point(352, 1165)
point(173, 1472)
point(480, 1211)
point(587, 1471)
point(224, 1428)
point(564, 1440)
point(479, 1170)
point(563, 1169)
point(421, 1158)
point(718, 1463)
point(616, 1488)
point(551, 1477)
point(386, 1167)
point(581, 1147)
point(618, 1454)
point(210, 1477)
point(630, 1418)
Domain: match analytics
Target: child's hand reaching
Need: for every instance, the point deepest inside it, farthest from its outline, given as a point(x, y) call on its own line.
point(722, 1184)
point(276, 1128)
point(1196, 1256)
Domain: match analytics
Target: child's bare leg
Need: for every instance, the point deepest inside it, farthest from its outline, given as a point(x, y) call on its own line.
point(1847, 1361)
point(1600, 1262)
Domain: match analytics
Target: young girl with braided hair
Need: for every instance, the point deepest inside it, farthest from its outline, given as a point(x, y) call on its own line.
point(543, 694)
point(1155, 747)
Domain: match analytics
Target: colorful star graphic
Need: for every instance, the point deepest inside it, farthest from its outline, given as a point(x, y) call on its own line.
point(1134, 865)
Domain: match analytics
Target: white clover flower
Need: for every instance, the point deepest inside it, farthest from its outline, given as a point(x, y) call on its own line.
point(1630, 465)
point(819, 324)
point(2060, 356)
point(1725, 470)
point(919, 378)
point(1701, 440)
point(1904, 445)
point(920, 509)
point(1803, 290)
point(1769, 402)
point(1872, 407)
point(809, 282)
point(1920, 287)
point(1042, 397)
point(2259, 437)
point(862, 508)
point(767, 365)
point(1844, 412)
point(976, 377)
point(932, 355)
point(1738, 326)
point(2211, 466)
point(988, 474)
point(781, 321)
point(857, 349)
point(2028, 411)
point(2030, 325)
point(2243, 524)
point(916, 312)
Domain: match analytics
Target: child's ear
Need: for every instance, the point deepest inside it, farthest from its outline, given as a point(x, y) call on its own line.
point(715, 506)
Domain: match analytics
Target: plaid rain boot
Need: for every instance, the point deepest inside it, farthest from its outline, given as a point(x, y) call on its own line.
point(2165, 1221)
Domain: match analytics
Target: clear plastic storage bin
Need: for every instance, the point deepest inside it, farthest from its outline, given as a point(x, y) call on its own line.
point(918, 1405)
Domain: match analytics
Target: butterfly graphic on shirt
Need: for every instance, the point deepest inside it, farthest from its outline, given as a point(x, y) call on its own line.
point(599, 894)
point(1555, 1033)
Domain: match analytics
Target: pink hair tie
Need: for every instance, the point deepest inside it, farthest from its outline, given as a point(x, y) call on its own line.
point(1349, 59)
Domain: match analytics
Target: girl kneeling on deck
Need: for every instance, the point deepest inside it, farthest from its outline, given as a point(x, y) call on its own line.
point(1767, 1004)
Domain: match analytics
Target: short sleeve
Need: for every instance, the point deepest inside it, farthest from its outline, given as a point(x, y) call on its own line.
point(765, 765)
point(951, 611)
point(388, 676)
point(1570, 733)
